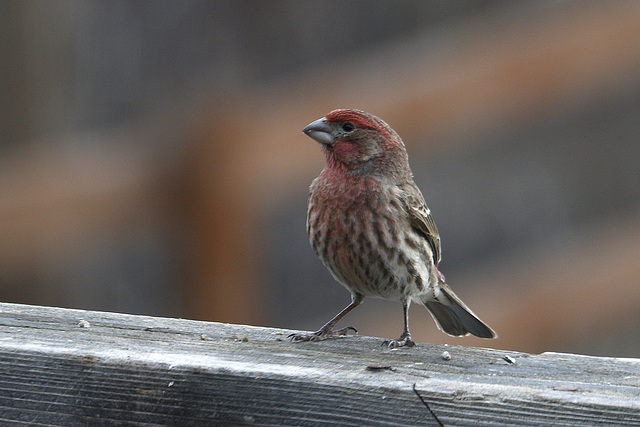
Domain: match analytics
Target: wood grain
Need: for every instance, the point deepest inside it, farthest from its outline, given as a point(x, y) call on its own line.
point(74, 367)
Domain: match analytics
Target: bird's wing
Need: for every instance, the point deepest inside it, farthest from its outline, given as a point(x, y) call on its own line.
point(420, 217)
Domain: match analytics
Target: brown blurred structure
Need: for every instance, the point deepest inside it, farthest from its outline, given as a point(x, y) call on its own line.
point(521, 123)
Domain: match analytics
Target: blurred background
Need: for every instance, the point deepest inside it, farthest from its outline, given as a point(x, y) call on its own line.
point(152, 160)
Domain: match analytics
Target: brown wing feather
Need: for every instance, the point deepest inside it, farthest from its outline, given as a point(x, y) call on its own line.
point(421, 218)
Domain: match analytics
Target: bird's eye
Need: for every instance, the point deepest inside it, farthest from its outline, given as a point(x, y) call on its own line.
point(348, 127)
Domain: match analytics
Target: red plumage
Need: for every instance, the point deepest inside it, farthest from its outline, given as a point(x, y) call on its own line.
point(369, 224)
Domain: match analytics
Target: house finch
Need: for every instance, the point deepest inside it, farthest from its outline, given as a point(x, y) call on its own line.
point(369, 224)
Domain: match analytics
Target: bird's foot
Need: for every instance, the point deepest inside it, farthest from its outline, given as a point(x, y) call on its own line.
point(322, 334)
point(404, 341)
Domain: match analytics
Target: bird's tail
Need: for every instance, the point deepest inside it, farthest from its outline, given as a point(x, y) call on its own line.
point(453, 316)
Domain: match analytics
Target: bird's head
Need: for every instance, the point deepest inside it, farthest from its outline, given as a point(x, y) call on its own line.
point(359, 143)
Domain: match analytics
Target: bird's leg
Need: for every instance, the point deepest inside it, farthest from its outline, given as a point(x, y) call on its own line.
point(405, 337)
point(327, 330)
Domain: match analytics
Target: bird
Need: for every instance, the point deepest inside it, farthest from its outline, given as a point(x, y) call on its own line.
point(369, 224)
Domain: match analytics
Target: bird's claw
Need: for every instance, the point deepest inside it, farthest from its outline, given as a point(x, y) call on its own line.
point(403, 341)
point(321, 334)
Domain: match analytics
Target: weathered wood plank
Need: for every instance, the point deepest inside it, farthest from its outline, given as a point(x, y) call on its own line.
point(75, 367)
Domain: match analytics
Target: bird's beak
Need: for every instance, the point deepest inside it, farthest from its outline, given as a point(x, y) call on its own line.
point(320, 131)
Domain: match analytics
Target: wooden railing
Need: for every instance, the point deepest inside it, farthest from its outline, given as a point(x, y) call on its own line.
point(73, 367)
